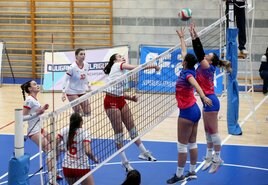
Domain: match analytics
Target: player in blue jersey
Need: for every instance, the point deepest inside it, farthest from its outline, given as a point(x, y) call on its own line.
point(205, 78)
point(189, 114)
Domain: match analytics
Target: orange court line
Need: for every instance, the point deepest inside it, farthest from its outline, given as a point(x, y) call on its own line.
point(7, 125)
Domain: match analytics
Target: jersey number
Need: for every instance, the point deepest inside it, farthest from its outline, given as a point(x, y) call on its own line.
point(73, 149)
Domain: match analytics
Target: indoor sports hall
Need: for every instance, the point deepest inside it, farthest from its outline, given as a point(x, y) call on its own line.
point(38, 39)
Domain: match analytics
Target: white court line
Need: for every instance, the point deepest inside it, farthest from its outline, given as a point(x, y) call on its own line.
point(140, 162)
point(30, 159)
point(5, 182)
point(225, 164)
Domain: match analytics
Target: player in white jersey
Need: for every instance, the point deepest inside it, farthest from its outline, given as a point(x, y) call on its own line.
point(31, 112)
point(77, 142)
point(76, 82)
point(115, 104)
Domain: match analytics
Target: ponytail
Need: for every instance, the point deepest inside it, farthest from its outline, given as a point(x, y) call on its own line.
point(25, 88)
point(108, 67)
point(75, 121)
point(226, 65)
point(221, 63)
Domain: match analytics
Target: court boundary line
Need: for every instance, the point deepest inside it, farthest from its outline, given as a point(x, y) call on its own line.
point(164, 161)
point(6, 125)
point(188, 162)
point(201, 164)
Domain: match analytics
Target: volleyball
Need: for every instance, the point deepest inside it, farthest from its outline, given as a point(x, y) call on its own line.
point(185, 14)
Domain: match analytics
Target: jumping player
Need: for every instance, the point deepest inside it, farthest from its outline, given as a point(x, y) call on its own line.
point(189, 114)
point(118, 110)
point(205, 77)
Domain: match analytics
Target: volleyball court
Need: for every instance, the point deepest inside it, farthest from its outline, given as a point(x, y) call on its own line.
point(156, 101)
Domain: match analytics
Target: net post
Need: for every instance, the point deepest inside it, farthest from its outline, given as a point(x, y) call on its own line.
point(19, 138)
point(19, 164)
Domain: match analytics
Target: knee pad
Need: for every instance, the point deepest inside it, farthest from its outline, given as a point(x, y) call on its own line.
point(182, 148)
point(208, 137)
point(216, 139)
point(49, 154)
point(119, 138)
point(192, 146)
point(133, 133)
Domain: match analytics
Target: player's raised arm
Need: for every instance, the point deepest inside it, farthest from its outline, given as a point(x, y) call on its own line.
point(180, 33)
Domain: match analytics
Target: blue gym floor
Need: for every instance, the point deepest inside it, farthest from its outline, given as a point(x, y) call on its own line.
point(243, 165)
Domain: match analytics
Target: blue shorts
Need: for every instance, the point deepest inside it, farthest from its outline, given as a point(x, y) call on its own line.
point(215, 104)
point(192, 113)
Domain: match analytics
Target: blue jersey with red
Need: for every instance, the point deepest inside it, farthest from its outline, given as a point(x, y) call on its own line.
point(205, 78)
point(184, 90)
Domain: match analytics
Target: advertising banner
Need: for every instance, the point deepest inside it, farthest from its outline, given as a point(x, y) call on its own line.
point(169, 64)
point(97, 59)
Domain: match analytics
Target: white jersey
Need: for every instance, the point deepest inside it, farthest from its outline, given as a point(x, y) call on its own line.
point(76, 79)
point(75, 157)
point(115, 73)
point(263, 58)
point(34, 124)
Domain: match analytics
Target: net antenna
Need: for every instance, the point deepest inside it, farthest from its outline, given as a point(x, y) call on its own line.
point(3, 49)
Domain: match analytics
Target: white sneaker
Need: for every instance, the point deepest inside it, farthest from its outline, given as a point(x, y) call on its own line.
point(127, 166)
point(208, 162)
point(244, 51)
point(215, 166)
point(147, 156)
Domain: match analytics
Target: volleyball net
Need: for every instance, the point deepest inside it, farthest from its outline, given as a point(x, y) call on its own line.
point(155, 91)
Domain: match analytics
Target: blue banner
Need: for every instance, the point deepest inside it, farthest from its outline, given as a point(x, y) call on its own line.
point(160, 82)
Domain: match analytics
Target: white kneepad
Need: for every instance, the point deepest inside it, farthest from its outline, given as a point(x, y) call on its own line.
point(216, 139)
point(182, 148)
point(133, 133)
point(119, 138)
point(49, 154)
point(192, 146)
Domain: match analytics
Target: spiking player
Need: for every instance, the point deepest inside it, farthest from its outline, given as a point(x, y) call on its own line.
point(118, 110)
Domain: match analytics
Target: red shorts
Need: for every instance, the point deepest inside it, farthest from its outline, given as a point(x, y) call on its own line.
point(79, 95)
point(114, 102)
point(74, 173)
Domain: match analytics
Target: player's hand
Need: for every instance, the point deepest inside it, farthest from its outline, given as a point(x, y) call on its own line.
point(63, 97)
point(96, 160)
point(45, 107)
point(157, 68)
point(134, 98)
point(42, 109)
point(192, 31)
point(180, 32)
point(207, 101)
